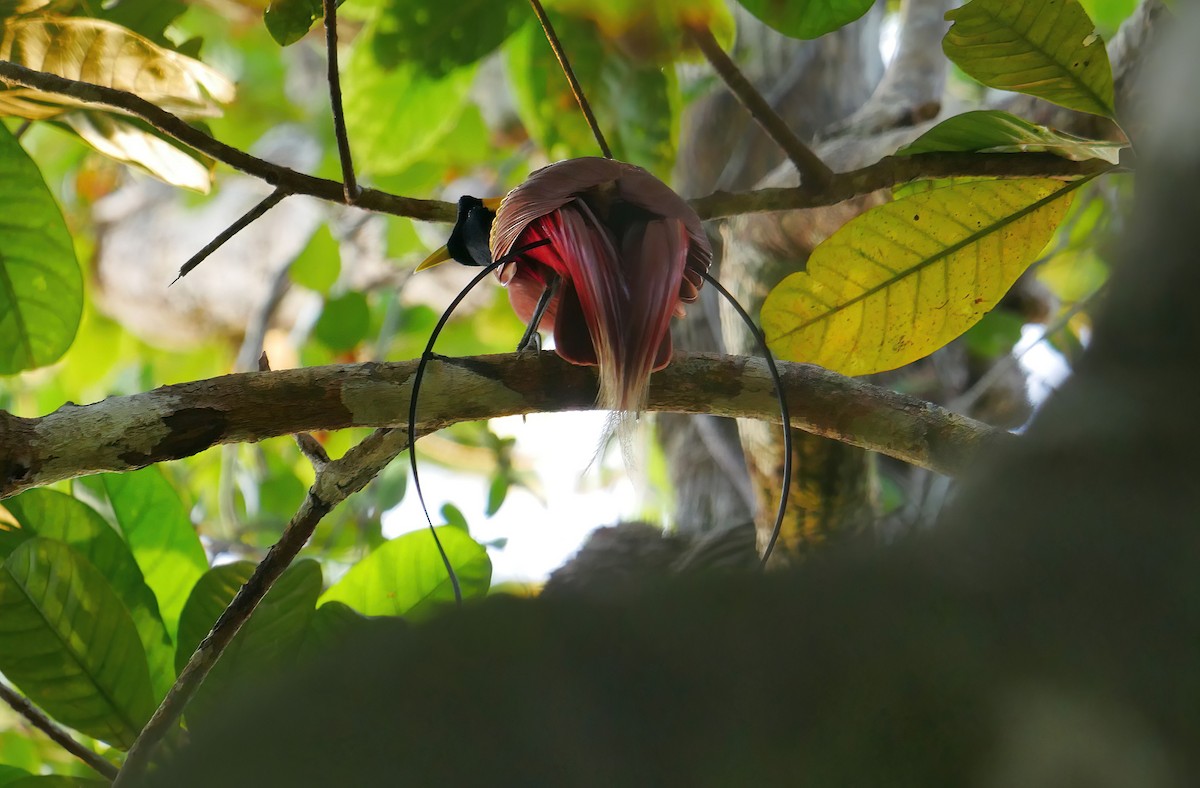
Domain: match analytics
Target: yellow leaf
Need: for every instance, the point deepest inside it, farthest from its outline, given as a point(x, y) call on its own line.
point(903, 279)
point(102, 53)
point(123, 141)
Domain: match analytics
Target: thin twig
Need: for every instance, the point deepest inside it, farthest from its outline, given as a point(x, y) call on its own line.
point(565, 64)
point(267, 203)
point(21, 705)
point(349, 184)
point(19, 131)
point(813, 171)
point(884, 174)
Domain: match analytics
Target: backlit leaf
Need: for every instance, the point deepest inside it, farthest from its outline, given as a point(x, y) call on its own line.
point(344, 321)
point(157, 528)
point(406, 577)
point(68, 643)
point(807, 18)
point(125, 141)
point(102, 53)
point(41, 288)
point(1049, 49)
point(905, 278)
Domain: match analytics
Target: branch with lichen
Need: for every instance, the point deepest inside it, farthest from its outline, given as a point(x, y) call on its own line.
point(172, 422)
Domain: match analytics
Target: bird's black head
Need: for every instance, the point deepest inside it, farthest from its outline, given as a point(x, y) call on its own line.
point(469, 240)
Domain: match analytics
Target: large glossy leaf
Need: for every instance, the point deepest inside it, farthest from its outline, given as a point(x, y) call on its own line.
point(157, 528)
point(269, 641)
point(103, 53)
point(635, 103)
point(903, 279)
point(439, 37)
point(388, 135)
point(993, 131)
point(807, 18)
point(54, 515)
point(1046, 48)
point(69, 644)
point(128, 142)
point(41, 288)
point(405, 576)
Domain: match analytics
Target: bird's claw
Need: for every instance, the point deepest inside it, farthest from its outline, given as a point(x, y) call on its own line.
point(530, 342)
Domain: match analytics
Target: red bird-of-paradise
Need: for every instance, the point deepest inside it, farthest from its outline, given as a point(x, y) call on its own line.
point(612, 254)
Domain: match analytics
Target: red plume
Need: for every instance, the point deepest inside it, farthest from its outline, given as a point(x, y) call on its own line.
point(629, 252)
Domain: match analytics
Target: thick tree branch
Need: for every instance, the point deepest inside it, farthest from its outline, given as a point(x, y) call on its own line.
point(171, 422)
point(21, 705)
point(843, 186)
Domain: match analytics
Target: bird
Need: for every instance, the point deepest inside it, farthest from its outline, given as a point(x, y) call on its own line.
point(620, 254)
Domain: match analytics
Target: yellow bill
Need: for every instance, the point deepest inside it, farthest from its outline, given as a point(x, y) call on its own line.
point(437, 258)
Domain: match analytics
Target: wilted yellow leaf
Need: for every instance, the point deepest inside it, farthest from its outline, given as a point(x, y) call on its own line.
point(102, 53)
point(121, 140)
point(907, 277)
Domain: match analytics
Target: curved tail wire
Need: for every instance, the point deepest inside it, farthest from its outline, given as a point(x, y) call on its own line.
point(426, 355)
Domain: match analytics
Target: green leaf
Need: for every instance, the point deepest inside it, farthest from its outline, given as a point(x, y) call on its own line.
point(10, 773)
point(318, 266)
point(807, 18)
point(54, 515)
point(344, 321)
point(439, 37)
point(497, 492)
point(388, 134)
point(1049, 49)
point(334, 621)
point(157, 528)
point(267, 642)
point(288, 21)
point(405, 576)
point(993, 131)
point(69, 644)
point(454, 517)
point(637, 103)
point(41, 288)
point(905, 278)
